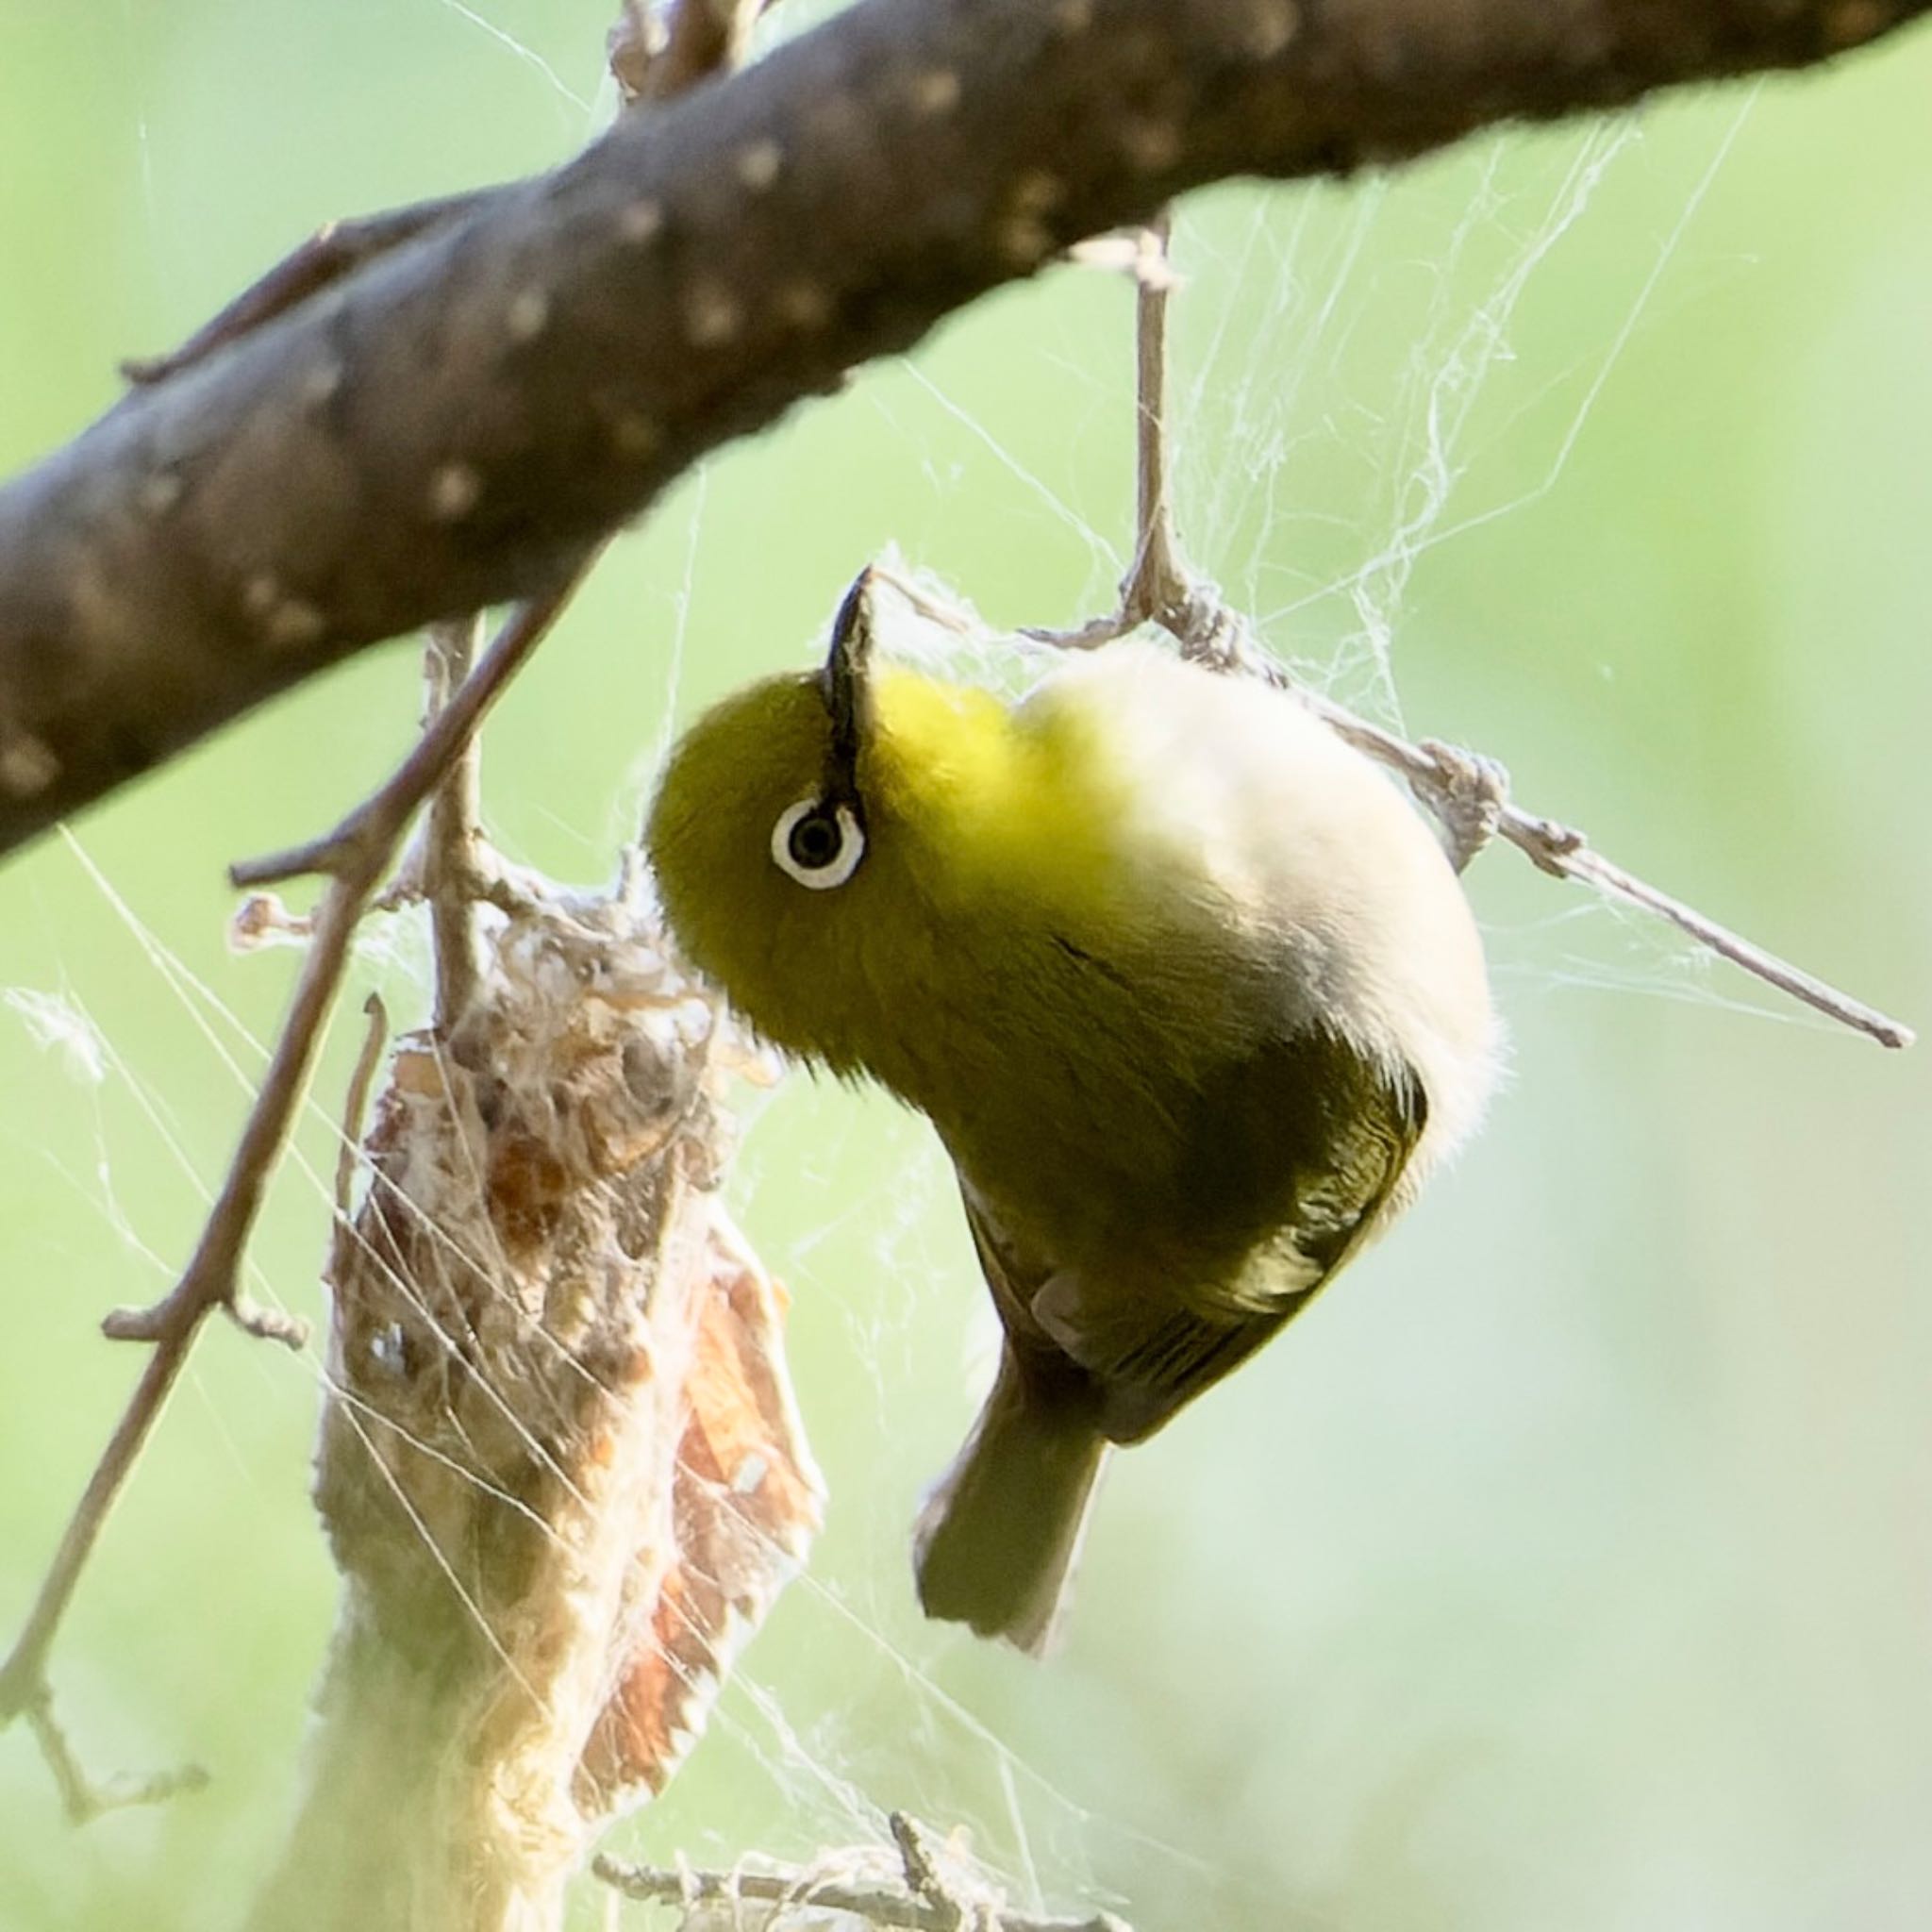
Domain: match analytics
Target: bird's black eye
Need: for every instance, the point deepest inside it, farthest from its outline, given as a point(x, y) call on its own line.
point(818, 844)
point(815, 841)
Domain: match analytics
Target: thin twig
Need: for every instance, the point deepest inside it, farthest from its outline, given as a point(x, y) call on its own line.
point(1158, 586)
point(627, 50)
point(1158, 580)
point(332, 251)
point(452, 836)
point(1466, 792)
point(357, 1103)
point(208, 1282)
point(651, 61)
point(82, 1797)
point(884, 1905)
point(380, 819)
point(1440, 773)
point(923, 1878)
point(356, 855)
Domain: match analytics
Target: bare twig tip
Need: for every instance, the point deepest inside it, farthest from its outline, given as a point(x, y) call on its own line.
point(325, 855)
point(921, 1874)
point(269, 1325)
point(81, 1797)
point(135, 1324)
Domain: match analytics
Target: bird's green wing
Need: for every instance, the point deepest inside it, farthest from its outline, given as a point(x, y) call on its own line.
point(1290, 1156)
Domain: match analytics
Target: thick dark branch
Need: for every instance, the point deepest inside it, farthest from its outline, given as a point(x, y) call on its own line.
point(461, 418)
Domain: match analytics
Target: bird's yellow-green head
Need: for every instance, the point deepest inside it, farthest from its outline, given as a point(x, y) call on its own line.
point(827, 841)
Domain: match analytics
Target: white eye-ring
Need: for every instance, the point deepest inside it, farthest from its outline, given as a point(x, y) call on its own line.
point(818, 844)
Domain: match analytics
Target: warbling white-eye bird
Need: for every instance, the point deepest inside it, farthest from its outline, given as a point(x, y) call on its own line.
point(1188, 991)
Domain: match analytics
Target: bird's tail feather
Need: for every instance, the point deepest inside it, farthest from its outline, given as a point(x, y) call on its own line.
point(999, 1536)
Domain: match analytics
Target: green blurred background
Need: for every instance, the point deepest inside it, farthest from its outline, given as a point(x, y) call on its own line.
point(1571, 1567)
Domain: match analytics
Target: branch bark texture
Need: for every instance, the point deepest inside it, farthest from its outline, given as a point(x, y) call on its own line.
point(458, 421)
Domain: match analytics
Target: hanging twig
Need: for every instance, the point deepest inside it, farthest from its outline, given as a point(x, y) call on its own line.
point(381, 818)
point(356, 1104)
point(452, 850)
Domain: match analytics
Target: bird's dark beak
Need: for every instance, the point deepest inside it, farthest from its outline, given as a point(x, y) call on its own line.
point(847, 688)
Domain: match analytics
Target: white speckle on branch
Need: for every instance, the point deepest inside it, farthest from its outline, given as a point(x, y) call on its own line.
point(1020, 235)
point(293, 625)
point(454, 492)
point(640, 222)
point(759, 165)
point(1149, 144)
point(803, 305)
point(27, 766)
point(635, 436)
point(1024, 239)
point(160, 492)
point(1854, 22)
point(1037, 191)
point(322, 384)
point(261, 594)
point(285, 623)
point(711, 314)
point(529, 314)
point(934, 92)
point(1273, 24)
